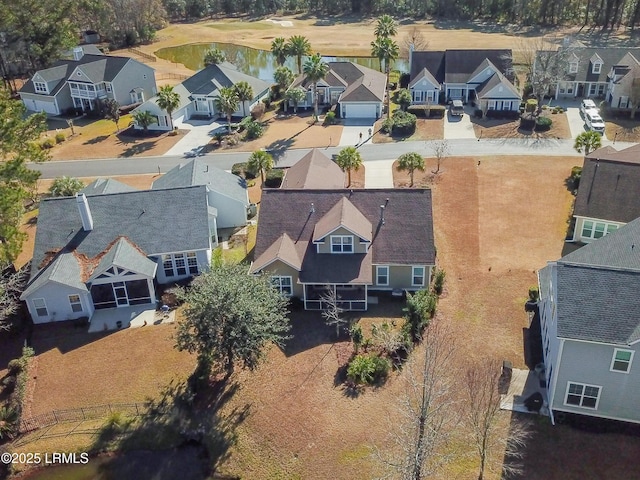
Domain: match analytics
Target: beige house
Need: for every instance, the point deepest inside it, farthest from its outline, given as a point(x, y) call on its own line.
point(354, 242)
point(624, 82)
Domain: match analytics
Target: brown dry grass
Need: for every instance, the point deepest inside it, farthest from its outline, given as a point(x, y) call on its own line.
point(622, 129)
point(494, 128)
point(426, 129)
point(76, 369)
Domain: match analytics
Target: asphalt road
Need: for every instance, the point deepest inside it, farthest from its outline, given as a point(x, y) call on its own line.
point(462, 147)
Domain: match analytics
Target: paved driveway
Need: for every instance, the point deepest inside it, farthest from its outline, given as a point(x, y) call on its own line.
point(576, 122)
point(378, 174)
point(459, 127)
point(200, 133)
point(356, 131)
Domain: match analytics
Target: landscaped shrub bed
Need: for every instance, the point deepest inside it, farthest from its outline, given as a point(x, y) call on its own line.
point(241, 170)
point(400, 123)
point(274, 178)
point(543, 124)
point(510, 114)
point(434, 111)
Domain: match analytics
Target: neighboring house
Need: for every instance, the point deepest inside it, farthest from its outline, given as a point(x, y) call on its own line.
point(108, 251)
point(608, 196)
point(624, 82)
point(106, 185)
point(358, 90)
point(84, 81)
point(590, 321)
point(314, 170)
point(353, 241)
point(198, 92)
point(605, 73)
point(226, 192)
point(481, 76)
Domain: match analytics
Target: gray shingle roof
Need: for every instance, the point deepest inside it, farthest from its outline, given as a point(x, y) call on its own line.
point(106, 185)
point(609, 56)
point(610, 185)
point(197, 172)
point(157, 221)
point(127, 256)
point(64, 269)
point(598, 305)
point(210, 79)
point(406, 238)
point(492, 82)
point(314, 170)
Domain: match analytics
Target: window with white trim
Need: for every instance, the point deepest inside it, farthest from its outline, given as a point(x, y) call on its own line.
point(621, 361)
point(192, 263)
point(573, 67)
point(283, 284)
point(582, 395)
point(41, 307)
point(382, 275)
point(107, 86)
point(417, 276)
point(341, 244)
point(597, 67)
point(179, 264)
point(593, 230)
point(40, 87)
point(76, 304)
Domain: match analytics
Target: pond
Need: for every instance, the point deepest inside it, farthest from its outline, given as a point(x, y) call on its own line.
point(184, 462)
point(254, 62)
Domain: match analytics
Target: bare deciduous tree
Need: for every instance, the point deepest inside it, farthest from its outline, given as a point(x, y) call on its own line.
point(11, 286)
point(497, 441)
point(332, 314)
point(428, 411)
point(413, 37)
point(441, 152)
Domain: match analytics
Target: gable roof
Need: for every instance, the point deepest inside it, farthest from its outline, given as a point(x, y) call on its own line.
point(63, 269)
point(99, 68)
point(127, 256)
point(314, 170)
point(405, 238)
point(426, 74)
point(362, 84)
point(157, 221)
point(496, 80)
point(343, 214)
point(212, 78)
point(432, 61)
point(597, 288)
point(282, 249)
point(610, 57)
point(106, 185)
point(610, 185)
point(197, 172)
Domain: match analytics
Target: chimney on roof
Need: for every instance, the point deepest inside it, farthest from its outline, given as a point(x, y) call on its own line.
point(382, 214)
point(78, 53)
point(85, 212)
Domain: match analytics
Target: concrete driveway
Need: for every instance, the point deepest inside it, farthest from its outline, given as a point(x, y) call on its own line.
point(200, 133)
point(459, 127)
point(576, 122)
point(356, 131)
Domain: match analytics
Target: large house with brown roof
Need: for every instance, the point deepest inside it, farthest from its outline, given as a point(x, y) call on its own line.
point(314, 170)
point(608, 195)
point(352, 241)
point(484, 77)
point(359, 91)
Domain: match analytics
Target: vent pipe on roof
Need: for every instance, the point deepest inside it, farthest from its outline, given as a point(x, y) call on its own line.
point(382, 214)
point(313, 208)
point(85, 212)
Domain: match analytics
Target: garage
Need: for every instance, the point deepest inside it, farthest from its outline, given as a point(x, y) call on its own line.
point(359, 110)
point(42, 106)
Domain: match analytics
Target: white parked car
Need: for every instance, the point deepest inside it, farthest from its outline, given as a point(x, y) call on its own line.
point(594, 121)
point(588, 105)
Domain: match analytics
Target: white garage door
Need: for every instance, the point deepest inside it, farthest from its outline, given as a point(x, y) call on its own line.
point(41, 106)
point(360, 111)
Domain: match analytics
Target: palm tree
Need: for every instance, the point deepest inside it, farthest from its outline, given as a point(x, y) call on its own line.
point(295, 95)
point(65, 187)
point(349, 159)
point(284, 77)
point(386, 50)
point(260, 161)
point(385, 27)
point(168, 100)
point(8, 422)
point(244, 93)
point(299, 46)
point(214, 57)
point(587, 142)
point(227, 102)
point(280, 50)
point(144, 118)
point(314, 70)
point(409, 162)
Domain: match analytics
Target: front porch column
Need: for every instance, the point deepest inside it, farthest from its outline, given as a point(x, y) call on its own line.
point(152, 290)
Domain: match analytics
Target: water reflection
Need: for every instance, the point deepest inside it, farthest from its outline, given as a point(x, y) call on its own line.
point(254, 62)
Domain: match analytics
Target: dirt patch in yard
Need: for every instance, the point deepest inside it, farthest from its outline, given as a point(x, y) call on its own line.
point(623, 129)
point(504, 128)
point(426, 129)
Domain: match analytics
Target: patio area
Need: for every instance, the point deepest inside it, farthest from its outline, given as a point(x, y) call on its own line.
point(128, 317)
point(524, 383)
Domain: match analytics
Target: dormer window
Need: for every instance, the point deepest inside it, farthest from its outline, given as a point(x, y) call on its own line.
point(573, 67)
point(40, 87)
point(597, 67)
point(341, 244)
